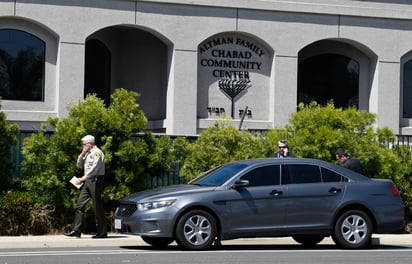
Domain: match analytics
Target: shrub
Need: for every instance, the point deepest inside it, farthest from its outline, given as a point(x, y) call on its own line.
point(22, 213)
point(8, 138)
point(403, 179)
point(50, 160)
point(317, 131)
point(219, 144)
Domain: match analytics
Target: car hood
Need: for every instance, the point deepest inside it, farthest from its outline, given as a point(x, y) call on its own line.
point(163, 192)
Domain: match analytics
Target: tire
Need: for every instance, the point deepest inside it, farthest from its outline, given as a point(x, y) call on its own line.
point(308, 240)
point(158, 242)
point(196, 230)
point(353, 230)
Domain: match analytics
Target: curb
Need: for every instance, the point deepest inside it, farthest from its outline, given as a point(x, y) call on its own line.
point(121, 240)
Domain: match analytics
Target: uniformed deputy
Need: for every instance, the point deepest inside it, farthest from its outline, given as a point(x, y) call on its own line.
point(91, 159)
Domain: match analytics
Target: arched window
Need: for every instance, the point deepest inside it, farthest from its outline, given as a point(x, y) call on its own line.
point(329, 76)
point(22, 60)
point(407, 89)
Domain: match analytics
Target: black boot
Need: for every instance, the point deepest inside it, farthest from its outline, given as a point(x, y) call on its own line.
point(73, 233)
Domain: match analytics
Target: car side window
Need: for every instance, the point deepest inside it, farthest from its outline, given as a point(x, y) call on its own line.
point(263, 176)
point(301, 173)
point(331, 176)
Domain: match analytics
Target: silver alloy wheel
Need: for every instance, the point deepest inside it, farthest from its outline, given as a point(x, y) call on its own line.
point(197, 229)
point(354, 229)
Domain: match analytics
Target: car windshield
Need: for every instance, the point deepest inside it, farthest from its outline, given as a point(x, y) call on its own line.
point(218, 175)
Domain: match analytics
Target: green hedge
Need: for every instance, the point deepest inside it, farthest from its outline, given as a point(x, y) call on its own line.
point(21, 213)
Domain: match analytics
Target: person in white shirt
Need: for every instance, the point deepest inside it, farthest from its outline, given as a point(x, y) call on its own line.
point(91, 159)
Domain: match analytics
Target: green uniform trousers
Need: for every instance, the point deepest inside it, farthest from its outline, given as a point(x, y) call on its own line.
point(92, 189)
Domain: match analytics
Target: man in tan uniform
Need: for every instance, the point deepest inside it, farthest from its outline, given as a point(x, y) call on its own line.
point(91, 159)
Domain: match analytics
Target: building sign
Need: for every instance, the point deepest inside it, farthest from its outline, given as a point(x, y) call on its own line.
point(232, 65)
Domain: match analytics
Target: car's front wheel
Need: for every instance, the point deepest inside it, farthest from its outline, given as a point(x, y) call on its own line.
point(158, 242)
point(196, 230)
point(353, 230)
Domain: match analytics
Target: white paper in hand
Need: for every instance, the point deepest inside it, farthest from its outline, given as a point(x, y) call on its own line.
point(72, 181)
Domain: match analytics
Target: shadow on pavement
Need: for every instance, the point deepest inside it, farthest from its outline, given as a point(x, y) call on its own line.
point(264, 247)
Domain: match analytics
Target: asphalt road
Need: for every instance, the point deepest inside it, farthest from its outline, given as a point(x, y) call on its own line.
point(117, 248)
point(231, 254)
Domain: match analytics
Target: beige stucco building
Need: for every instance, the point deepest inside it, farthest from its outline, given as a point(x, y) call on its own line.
point(195, 61)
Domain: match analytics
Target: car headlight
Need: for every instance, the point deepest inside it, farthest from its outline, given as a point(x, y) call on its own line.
point(156, 204)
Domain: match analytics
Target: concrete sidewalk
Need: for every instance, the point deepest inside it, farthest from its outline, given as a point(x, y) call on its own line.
point(120, 240)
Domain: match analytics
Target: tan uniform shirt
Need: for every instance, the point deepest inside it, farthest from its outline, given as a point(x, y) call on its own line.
point(92, 163)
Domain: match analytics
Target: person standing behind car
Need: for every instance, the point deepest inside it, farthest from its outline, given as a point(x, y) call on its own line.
point(283, 151)
point(348, 162)
point(91, 159)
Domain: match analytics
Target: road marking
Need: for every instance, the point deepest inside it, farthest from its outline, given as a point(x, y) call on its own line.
point(143, 251)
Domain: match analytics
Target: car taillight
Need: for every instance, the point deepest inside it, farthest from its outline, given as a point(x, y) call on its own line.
point(394, 190)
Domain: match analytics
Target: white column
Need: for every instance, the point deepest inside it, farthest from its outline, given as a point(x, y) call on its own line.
point(388, 98)
point(71, 76)
point(285, 90)
point(182, 94)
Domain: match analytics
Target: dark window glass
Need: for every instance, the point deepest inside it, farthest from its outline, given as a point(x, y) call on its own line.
point(97, 70)
point(263, 176)
point(329, 76)
point(407, 89)
point(22, 59)
point(330, 176)
point(218, 175)
point(302, 173)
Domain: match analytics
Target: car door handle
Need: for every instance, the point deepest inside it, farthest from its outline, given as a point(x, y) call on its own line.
point(276, 193)
point(334, 190)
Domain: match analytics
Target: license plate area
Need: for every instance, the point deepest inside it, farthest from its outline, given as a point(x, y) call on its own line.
point(118, 224)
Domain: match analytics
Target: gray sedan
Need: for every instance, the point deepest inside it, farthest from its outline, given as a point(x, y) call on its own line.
point(306, 199)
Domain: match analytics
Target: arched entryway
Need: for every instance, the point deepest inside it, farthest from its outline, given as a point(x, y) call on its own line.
point(331, 70)
point(134, 59)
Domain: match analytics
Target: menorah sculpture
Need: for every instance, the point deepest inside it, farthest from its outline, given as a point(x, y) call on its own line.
point(232, 88)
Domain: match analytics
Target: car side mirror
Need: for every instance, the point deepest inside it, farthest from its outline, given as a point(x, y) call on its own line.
point(240, 183)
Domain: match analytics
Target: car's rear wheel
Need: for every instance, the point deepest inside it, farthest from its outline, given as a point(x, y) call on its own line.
point(308, 240)
point(353, 230)
point(158, 242)
point(196, 230)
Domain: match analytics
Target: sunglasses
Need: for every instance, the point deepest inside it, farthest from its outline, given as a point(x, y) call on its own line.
point(281, 147)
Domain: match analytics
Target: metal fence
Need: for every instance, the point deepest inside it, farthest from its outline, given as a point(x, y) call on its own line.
point(167, 178)
point(402, 140)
